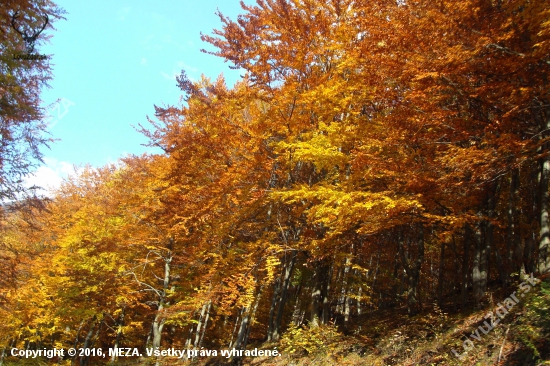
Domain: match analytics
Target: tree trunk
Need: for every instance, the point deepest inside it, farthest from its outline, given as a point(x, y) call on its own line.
point(325, 315)
point(465, 269)
point(319, 297)
point(120, 324)
point(396, 283)
point(241, 335)
point(441, 277)
point(375, 275)
point(159, 321)
point(544, 236)
point(273, 309)
point(478, 275)
point(77, 340)
point(529, 260)
point(205, 324)
point(412, 268)
point(252, 316)
point(241, 313)
point(158, 325)
point(342, 307)
point(489, 229)
point(513, 244)
point(244, 330)
point(483, 245)
point(298, 313)
point(200, 322)
point(457, 278)
point(289, 269)
point(2, 356)
point(84, 360)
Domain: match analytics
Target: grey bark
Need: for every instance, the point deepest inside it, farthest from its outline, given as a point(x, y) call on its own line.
point(319, 297)
point(478, 274)
point(120, 324)
point(205, 324)
point(241, 313)
point(465, 270)
point(289, 269)
point(200, 322)
point(513, 244)
point(273, 309)
point(441, 276)
point(85, 359)
point(544, 236)
point(412, 268)
point(280, 295)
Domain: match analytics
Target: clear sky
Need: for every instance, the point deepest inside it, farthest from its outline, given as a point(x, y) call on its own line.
point(113, 60)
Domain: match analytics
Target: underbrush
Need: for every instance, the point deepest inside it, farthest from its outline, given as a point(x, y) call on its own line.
point(434, 337)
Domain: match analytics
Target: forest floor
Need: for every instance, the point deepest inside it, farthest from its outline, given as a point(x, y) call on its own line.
point(433, 337)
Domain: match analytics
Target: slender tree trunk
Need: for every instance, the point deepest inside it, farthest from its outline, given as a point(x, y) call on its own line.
point(237, 322)
point(315, 298)
point(253, 316)
point(189, 340)
point(359, 302)
point(273, 309)
point(244, 330)
point(341, 308)
point(490, 229)
point(84, 360)
point(241, 334)
point(483, 240)
point(477, 275)
point(77, 340)
point(289, 269)
point(347, 305)
point(158, 325)
point(11, 344)
point(202, 316)
point(457, 271)
point(240, 342)
point(544, 236)
point(318, 295)
point(120, 324)
point(375, 275)
point(529, 260)
point(96, 336)
point(465, 269)
point(205, 323)
point(2, 356)
point(149, 336)
point(513, 244)
point(159, 321)
point(396, 282)
point(325, 315)
point(412, 269)
point(503, 261)
point(298, 314)
point(441, 276)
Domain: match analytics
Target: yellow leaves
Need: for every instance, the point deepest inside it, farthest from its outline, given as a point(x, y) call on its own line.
point(340, 210)
point(313, 340)
point(272, 263)
point(322, 148)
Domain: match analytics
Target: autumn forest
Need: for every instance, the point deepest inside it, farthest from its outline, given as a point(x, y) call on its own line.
point(375, 155)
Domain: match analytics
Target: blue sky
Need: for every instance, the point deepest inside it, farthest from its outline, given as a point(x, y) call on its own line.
point(112, 61)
